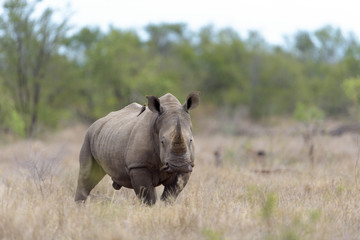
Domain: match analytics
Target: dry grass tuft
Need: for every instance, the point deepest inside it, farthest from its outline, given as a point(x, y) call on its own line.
point(275, 195)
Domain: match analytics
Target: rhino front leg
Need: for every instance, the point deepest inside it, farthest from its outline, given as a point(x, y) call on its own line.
point(141, 180)
point(174, 187)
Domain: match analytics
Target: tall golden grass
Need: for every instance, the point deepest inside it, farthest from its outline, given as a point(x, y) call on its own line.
point(279, 195)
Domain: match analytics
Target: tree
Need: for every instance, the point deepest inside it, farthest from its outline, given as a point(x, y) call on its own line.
point(83, 41)
point(331, 44)
point(223, 57)
point(118, 70)
point(163, 36)
point(28, 43)
point(10, 120)
point(305, 46)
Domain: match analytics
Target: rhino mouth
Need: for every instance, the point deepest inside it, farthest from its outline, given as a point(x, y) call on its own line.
point(170, 168)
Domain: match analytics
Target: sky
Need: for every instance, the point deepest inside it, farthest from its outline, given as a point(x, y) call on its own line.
point(274, 19)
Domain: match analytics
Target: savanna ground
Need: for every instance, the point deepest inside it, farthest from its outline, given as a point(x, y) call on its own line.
point(265, 188)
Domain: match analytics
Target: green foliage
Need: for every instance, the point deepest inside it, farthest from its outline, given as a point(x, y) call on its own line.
point(268, 209)
point(314, 216)
point(212, 234)
point(27, 46)
point(125, 71)
point(268, 212)
point(10, 119)
point(308, 113)
point(97, 72)
point(351, 88)
point(301, 227)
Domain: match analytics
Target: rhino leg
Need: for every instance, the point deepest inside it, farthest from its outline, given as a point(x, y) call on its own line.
point(174, 186)
point(141, 181)
point(90, 173)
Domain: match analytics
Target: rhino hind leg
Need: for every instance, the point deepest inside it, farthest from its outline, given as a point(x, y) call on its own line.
point(88, 180)
point(141, 181)
point(90, 173)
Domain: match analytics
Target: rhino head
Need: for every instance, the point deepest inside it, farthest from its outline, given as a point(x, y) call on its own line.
point(173, 132)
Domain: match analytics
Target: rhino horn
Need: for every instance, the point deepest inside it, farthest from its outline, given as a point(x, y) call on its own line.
point(178, 143)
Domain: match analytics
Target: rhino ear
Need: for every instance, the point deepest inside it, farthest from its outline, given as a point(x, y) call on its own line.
point(192, 101)
point(154, 104)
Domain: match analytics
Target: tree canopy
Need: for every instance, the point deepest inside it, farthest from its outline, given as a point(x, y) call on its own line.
point(49, 76)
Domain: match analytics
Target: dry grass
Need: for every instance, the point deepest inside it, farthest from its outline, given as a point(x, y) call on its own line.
point(277, 196)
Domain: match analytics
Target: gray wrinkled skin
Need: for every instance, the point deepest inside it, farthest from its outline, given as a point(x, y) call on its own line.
point(141, 148)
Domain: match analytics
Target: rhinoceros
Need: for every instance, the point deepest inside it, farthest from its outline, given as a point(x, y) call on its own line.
point(141, 148)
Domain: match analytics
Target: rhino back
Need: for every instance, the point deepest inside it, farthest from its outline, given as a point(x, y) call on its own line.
point(109, 138)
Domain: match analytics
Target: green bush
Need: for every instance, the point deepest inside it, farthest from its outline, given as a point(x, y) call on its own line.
point(308, 113)
point(351, 88)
